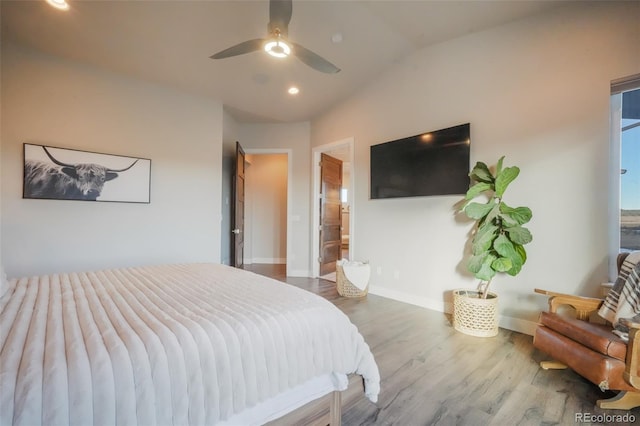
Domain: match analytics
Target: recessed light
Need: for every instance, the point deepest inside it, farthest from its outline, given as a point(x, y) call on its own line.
point(59, 4)
point(336, 38)
point(293, 90)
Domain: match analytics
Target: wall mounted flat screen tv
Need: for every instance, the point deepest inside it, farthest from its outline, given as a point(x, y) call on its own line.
point(434, 163)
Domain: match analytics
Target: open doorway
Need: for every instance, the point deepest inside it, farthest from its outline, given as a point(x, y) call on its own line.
point(267, 205)
point(343, 151)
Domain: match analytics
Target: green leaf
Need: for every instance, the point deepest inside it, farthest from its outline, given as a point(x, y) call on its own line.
point(478, 189)
point(489, 218)
point(499, 166)
point(486, 272)
point(515, 268)
point(486, 227)
point(505, 178)
point(507, 219)
point(481, 173)
point(519, 235)
point(504, 246)
point(478, 211)
point(475, 262)
point(502, 264)
point(483, 238)
point(484, 241)
point(522, 252)
point(517, 216)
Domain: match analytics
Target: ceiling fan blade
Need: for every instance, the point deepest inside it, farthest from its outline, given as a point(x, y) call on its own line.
point(280, 15)
point(314, 60)
point(240, 49)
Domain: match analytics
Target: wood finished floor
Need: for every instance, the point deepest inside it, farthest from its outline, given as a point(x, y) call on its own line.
point(433, 375)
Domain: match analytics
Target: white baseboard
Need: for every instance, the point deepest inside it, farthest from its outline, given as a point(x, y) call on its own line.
point(266, 260)
point(517, 324)
point(299, 273)
point(411, 299)
point(510, 323)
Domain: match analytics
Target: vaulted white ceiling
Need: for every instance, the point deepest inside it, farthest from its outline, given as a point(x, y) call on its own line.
point(169, 43)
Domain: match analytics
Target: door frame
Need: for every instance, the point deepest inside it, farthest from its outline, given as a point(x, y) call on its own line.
point(289, 153)
point(238, 229)
point(315, 221)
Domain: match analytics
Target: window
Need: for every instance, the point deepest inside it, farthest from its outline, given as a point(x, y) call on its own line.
point(630, 171)
point(343, 195)
point(624, 183)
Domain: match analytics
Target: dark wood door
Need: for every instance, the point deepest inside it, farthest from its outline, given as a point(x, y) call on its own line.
point(330, 213)
point(237, 227)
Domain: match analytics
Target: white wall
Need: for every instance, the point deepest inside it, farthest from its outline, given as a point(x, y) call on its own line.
point(536, 91)
point(296, 138)
point(266, 209)
point(51, 101)
point(2, 269)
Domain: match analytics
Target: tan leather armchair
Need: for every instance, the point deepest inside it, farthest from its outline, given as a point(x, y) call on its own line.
point(591, 349)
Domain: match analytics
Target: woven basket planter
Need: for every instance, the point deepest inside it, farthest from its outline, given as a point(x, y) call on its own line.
point(345, 287)
point(473, 315)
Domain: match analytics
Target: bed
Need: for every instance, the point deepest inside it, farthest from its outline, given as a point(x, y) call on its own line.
point(171, 344)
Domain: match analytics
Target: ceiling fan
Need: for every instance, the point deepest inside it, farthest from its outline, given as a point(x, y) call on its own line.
point(277, 44)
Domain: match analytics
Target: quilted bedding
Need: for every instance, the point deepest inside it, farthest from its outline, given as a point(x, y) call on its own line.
point(170, 344)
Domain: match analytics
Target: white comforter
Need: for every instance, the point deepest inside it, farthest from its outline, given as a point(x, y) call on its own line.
point(171, 344)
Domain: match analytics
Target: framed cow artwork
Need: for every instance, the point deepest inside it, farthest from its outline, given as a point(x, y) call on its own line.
point(68, 174)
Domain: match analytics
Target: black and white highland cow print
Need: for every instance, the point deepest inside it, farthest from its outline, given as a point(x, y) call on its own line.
point(67, 181)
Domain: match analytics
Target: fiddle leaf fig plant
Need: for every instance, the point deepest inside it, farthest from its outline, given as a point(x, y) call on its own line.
point(498, 235)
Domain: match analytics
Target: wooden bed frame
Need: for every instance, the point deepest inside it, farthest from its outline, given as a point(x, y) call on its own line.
point(326, 410)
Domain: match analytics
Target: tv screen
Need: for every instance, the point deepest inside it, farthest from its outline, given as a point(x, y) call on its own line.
point(434, 163)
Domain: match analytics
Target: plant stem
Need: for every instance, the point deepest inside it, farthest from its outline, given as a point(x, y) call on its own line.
point(484, 288)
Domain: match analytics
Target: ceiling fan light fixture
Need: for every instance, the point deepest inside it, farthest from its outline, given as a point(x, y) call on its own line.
point(59, 4)
point(277, 48)
point(276, 43)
